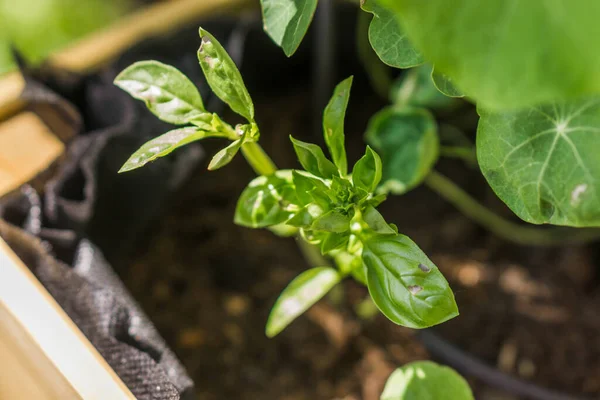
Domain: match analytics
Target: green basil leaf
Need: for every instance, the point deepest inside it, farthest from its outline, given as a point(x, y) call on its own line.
point(334, 241)
point(263, 202)
point(302, 219)
point(286, 21)
point(304, 291)
point(416, 88)
point(426, 380)
point(168, 93)
point(367, 171)
point(375, 201)
point(313, 160)
point(333, 124)
point(223, 76)
point(332, 221)
point(544, 162)
point(404, 284)
point(445, 84)
point(306, 185)
point(389, 39)
point(408, 143)
point(163, 145)
point(510, 53)
point(376, 221)
point(224, 156)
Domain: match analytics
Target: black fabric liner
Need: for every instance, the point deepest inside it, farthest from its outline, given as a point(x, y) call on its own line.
point(87, 206)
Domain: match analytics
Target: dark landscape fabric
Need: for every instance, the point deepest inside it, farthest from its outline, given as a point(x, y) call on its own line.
point(87, 217)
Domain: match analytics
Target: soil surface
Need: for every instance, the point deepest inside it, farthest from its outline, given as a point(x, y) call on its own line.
point(208, 285)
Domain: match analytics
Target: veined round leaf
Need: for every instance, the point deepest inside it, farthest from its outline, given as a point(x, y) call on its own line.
point(415, 88)
point(264, 200)
point(168, 93)
point(304, 291)
point(163, 145)
point(508, 53)
point(388, 38)
point(426, 380)
point(286, 21)
point(404, 284)
point(544, 162)
point(407, 141)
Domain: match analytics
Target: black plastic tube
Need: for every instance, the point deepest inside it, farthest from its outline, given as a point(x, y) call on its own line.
point(470, 365)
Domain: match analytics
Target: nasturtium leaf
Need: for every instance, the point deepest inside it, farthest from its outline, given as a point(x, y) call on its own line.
point(508, 54)
point(388, 38)
point(415, 88)
point(334, 241)
point(313, 160)
point(445, 84)
point(163, 145)
point(426, 380)
point(223, 76)
point(408, 143)
point(263, 202)
point(333, 124)
point(376, 221)
point(168, 93)
point(224, 156)
point(405, 285)
point(367, 171)
point(304, 291)
point(286, 21)
point(544, 162)
point(332, 221)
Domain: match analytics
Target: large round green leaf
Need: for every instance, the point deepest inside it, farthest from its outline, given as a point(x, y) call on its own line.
point(407, 141)
point(544, 162)
point(508, 53)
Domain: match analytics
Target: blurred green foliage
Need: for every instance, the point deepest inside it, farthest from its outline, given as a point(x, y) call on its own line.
point(37, 27)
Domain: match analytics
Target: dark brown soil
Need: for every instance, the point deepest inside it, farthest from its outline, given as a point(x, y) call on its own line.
point(208, 285)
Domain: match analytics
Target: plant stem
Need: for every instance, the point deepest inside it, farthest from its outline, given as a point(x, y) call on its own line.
point(311, 253)
point(466, 154)
point(260, 162)
point(525, 235)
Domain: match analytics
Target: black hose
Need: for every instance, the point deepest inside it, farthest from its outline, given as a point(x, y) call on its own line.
point(470, 365)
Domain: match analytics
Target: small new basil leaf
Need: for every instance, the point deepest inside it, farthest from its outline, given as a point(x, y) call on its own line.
point(332, 221)
point(415, 88)
point(375, 201)
point(376, 221)
point(313, 160)
point(223, 76)
point(404, 284)
point(333, 124)
point(334, 241)
point(302, 219)
point(445, 85)
point(543, 162)
point(304, 291)
point(168, 93)
point(286, 21)
point(224, 156)
point(163, 145)
point(408, 143)
point(263, 202)
point(367, 171)
point(426, 380)
point(389, 39)
point(306, 185)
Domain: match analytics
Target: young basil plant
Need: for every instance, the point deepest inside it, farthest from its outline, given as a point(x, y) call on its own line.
point(329, 207)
